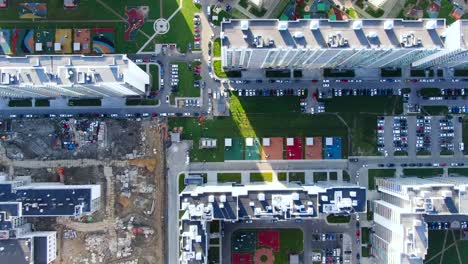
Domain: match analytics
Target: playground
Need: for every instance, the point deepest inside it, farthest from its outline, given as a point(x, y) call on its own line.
point(82, 40)
point(32, 10)
point(272, 148)
point(135, 17)
point(233, 148)
point(5, 38)
point(294, 148)
point(314, 150)
point(265, 245)
point(252, 149)
point(332, 148)
point(44, 41)
point(22, 41)
point(63, 37)
point(103, 40)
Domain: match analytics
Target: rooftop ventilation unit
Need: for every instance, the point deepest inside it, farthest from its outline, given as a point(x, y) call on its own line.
point(357, 25)
point(431, 24)
point(388, 25)
point(244, 25)
point(282, 25)
point(314, 24)
point(298, 34)
point(372, 34)
point(261, 197)
point(295, 196)
point(222, 198)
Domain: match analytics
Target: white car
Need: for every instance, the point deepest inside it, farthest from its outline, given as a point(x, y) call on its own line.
point(167, 99)
point(187, 114)
point(114, 115)
point(326, 85)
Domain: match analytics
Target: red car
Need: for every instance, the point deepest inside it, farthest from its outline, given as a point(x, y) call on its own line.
point(358, 233)
point(197, 70)
point(197, 30)
point(314, 81)
point(196, 39)
point(344, 81)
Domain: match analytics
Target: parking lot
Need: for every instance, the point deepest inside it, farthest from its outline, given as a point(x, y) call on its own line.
point(419, 135)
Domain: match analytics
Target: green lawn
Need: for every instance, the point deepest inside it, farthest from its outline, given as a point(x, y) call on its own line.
point(84, 102)
point(320, 176)
point(217, 47)
point(229, 177)
point(181, 31)
point(390, 72)
point(181, 182)
point(213, 255)
point(375, 13)
point(423, 173)
point(379, 173)
point(218, 69)
point(352, 13)
point(445, 10)
point(154, 71)
point(360, 114)
point(41, 103)
point(282, 176)
point(291, 241)
point(297, 177)
point(20, 103)
point(430, 92)
point(346, 176)
point(338, 219)
point(365, 251)
point(436, 245)
point(434, 110)
point(250, 119)
point(186, 79)
point(141, 101)
point(458, 171)
point(365, 235)
point(465, 135)
point(261, 177)
point(214, 226)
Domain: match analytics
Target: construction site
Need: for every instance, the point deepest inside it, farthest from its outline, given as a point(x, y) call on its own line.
point(125, 157)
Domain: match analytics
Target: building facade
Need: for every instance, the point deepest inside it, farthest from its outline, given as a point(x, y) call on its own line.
point(400, 234)
point(350, 44)
point(50, 76)
point(206, 203)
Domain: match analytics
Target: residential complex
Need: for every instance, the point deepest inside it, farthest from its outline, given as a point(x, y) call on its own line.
point(50, 76)
point(351, 44)
point(233, 203)
point(21, 199)
point(400, 232)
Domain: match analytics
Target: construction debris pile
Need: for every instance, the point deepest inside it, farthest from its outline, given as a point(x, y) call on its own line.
point(74, 133)
point(132, 182)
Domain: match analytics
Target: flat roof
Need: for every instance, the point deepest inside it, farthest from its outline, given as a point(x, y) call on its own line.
point(71, 70)
point(366, 33)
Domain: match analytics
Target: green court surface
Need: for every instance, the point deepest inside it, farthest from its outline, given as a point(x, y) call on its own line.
point(253, 152)
point(46, 39)
point(234, 152)
point(244, 241)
